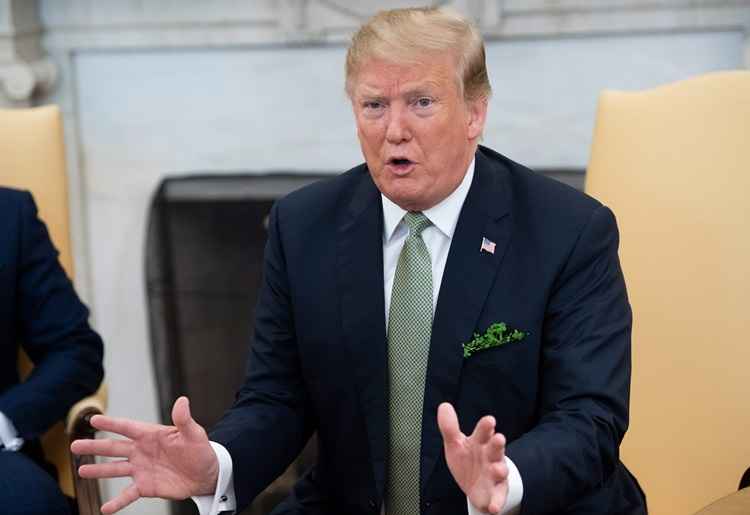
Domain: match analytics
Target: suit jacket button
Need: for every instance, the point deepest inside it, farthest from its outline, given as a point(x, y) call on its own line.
point(428, 505)
point(373, 505)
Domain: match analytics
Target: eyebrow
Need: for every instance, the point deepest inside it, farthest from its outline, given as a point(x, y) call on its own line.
point(419, 92)
point(425, 89)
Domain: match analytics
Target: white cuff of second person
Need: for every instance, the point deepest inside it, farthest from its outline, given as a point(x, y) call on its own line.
point(8, 435)
point(515, 493)
point(223, 499)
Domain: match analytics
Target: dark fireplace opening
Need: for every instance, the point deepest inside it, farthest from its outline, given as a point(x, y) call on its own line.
point(204, 260)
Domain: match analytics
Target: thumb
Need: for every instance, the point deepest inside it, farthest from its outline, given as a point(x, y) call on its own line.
point(448, 423)
point(182, 418)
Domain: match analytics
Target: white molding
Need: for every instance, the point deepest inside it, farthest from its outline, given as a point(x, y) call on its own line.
point(608, 5)
point(614, 21)
point(293, 16)
point(65, 96)
point(88, 14)
point(19, 17)
point(25, 70)
point(109, 24)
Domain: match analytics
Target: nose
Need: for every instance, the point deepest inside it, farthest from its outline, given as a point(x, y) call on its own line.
point(398, 130)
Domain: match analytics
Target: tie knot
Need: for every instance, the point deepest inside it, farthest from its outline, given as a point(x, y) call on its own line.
point(417, 222)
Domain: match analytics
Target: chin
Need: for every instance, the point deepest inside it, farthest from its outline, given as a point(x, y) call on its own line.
point(407, 202)
point(405, 192)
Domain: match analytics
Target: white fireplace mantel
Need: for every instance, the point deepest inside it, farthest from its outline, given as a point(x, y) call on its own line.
point(77, 26)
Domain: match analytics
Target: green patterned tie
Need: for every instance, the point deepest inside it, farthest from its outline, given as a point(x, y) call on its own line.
point(409, 329)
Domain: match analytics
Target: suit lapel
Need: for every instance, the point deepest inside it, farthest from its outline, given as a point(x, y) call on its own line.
point(361, 293)
point(469, 274)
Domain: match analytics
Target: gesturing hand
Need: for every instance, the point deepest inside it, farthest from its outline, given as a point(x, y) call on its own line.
point(172, 462)
point(477, 462)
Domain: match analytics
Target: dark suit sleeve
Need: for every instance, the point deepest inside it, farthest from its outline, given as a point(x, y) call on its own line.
point(52, 324)
point(269, 422)
point(584, 376)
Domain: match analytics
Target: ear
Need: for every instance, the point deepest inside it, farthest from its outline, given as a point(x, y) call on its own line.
point(477, 116)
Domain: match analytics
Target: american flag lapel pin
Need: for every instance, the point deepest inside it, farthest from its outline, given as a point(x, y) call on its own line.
point(487, 246)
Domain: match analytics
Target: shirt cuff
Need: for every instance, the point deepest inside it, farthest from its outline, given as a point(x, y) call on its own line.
point(8, 435)
point(515, 493)
point(223, 499)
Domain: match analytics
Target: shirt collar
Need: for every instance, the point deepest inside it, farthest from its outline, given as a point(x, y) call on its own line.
point(444, 215)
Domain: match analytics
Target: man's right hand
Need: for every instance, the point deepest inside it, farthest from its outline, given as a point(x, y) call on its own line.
point(171, 462)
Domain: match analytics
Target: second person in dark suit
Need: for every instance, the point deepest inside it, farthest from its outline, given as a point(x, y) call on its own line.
point(41, 314)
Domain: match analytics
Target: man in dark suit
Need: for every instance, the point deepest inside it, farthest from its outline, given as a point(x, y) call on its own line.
point(40, 313)
point(439, 286)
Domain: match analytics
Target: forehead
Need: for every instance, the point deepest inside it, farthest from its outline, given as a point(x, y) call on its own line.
point(380, 76)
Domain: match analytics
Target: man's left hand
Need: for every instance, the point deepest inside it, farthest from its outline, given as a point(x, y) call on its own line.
point(477, 462)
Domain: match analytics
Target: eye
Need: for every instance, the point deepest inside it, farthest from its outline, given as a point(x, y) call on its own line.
point(372, 109)
point(424, 102)
point(372, 105)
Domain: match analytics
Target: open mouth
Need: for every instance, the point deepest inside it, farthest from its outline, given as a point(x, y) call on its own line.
point(400, 163)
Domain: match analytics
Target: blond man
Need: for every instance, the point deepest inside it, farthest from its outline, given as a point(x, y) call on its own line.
point(438, 287)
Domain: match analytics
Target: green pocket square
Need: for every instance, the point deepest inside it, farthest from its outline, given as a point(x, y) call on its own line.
point(497, 334)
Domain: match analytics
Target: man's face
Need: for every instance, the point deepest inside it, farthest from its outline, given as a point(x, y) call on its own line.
point(417, 133)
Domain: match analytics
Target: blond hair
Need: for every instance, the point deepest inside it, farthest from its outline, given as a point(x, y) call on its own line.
point(404, 36)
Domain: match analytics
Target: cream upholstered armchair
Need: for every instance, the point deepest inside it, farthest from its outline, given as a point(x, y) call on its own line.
point(32, 157)
point(673, 163)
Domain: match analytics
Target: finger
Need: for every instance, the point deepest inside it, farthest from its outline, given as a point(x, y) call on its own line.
point(106, 470)
point(122, 426)
point(183, 419)
point(496, 447)
point(497, 501)
point(448, 423)
point(484, 429)
point(126, 497)
point(499, 472)
point(103, 447)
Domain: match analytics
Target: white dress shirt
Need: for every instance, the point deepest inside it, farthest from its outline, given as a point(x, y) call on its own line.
point(9, 440)
point(437, 238)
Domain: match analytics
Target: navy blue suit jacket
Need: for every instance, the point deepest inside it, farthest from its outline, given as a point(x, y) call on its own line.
point(319, 361)
point(40, 311)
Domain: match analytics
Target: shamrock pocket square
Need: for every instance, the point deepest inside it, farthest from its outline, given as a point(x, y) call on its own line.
point(496, 335)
